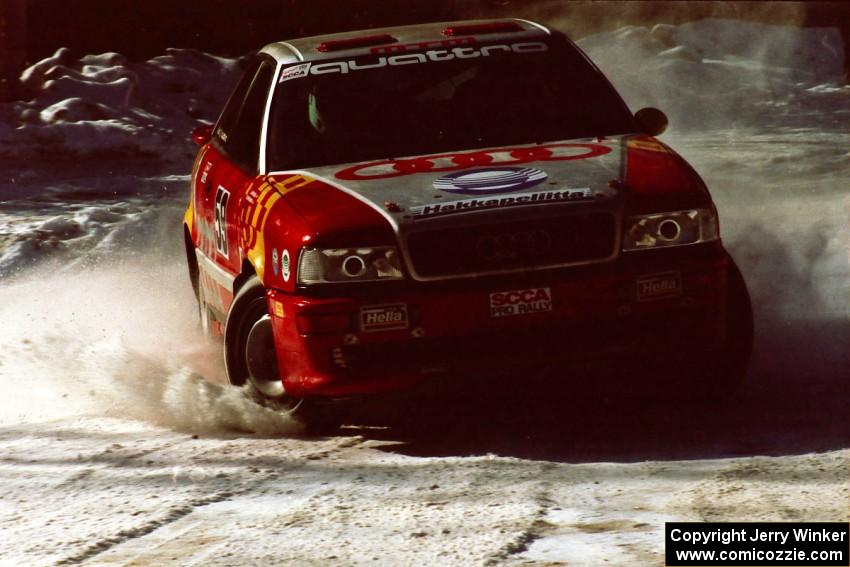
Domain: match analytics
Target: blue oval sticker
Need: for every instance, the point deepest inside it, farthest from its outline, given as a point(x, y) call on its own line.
point(491, 180)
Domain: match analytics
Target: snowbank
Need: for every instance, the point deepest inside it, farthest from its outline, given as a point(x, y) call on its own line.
point(101, 144)
point(103, 105)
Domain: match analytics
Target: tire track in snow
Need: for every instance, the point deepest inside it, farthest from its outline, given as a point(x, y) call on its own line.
point(537, 526)
point(358, 507)
point(528, 536)
point(180, 511)
point(128, 534)
point(122, 461)
point(124, 480)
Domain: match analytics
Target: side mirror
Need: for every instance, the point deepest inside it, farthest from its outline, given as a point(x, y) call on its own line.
point(651, 121)
point(202, 134)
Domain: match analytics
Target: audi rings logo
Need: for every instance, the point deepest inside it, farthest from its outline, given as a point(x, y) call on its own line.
point(511, 246)
point(490, 181)
point(456, 162)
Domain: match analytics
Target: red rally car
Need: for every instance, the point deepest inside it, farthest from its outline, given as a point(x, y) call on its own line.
point(375, 207)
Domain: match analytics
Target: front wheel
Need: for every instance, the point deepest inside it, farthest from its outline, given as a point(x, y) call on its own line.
point(249, 348)
point(251, 359)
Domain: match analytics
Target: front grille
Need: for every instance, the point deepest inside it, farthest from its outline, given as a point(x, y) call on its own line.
point(570, 239)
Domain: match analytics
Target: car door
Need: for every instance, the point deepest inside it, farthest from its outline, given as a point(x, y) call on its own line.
point(226, 169)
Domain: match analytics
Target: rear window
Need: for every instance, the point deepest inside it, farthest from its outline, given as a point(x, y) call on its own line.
point(388, 106)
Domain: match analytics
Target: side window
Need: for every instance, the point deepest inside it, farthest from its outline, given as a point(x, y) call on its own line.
point(230, 114)
point(244, 143)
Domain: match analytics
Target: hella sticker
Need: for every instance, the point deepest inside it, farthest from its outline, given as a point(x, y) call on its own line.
point(659, 286)
point(490, 181)
point(383, 317)
point(520, 302)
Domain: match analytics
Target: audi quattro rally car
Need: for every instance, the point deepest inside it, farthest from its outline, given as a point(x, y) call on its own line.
point(375, 207)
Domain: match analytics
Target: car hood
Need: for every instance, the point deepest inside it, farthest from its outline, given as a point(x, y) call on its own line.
point(469, 187)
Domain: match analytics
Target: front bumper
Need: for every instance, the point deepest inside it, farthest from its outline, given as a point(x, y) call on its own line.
point(596, 312)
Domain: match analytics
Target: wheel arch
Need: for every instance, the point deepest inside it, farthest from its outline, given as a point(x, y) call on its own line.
point(246, 273)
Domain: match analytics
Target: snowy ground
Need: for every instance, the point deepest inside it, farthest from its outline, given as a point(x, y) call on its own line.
point(120, 443)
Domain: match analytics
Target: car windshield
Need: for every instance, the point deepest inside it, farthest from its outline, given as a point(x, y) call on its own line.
point(389, 106)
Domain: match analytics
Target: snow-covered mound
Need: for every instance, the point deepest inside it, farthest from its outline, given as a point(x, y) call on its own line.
point(77, 235)
point(100, 144)
point(105, 105)
point(724, 73)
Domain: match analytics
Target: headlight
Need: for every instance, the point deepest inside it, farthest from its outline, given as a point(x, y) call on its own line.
point(333, 265)
point(670, 229)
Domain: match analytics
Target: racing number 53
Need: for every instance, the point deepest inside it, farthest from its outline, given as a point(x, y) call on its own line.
point(222, 196)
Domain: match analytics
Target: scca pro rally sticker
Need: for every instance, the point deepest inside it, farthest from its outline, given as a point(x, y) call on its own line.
point(383, 317)
point(520, 302)
point(295, 72)
point(490, 181)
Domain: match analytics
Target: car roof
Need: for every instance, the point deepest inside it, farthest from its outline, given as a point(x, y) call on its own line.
point(307, 48)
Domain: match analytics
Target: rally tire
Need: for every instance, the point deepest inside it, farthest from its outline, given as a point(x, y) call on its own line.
point(249, 316)
point(249, 351)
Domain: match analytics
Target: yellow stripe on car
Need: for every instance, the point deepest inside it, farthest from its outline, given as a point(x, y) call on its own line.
point(647, 145)
point(264, 198)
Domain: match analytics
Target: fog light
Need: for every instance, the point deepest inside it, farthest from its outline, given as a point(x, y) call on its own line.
point(350, 339)
point(417, 332)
